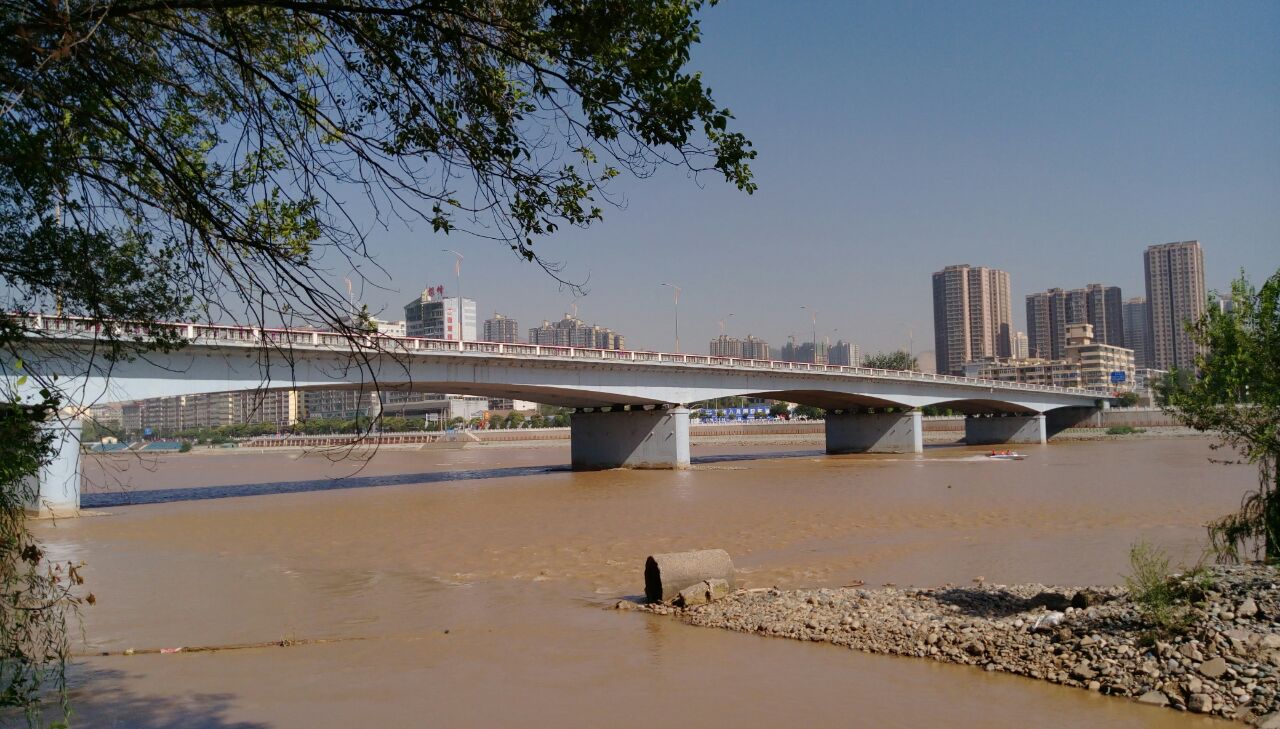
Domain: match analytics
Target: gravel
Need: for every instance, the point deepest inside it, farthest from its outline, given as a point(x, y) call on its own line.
point(1226, 664)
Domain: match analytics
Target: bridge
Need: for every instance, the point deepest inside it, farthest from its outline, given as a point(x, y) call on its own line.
point(630, 408)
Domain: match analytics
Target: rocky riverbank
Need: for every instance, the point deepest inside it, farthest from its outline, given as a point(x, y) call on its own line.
point(1227, 663)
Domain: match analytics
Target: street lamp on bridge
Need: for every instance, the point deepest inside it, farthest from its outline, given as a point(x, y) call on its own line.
point(677, 290)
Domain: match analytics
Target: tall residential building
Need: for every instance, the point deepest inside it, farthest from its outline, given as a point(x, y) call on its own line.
point(972, 316)
point(501, 329)
point(573, 332)
point(1021, 347)
point(1175, 296)
point(803, 352)
point(754, 348)
point(1137, 331)
point(1104, 310)
point(749, 348)
point(433, 316)
point(726, 346)
point(844, 353)
point(1046, 324)
point(1049, 313)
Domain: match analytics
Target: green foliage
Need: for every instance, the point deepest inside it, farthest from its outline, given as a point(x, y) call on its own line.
point(164, 162)
point(809, 411)
point(1124, 430)
point(1128, 399)
point(1235, 394)
point(1163, 600)
point(36, 596)
point(185, 447)
point(897, 360)
point(779, 409)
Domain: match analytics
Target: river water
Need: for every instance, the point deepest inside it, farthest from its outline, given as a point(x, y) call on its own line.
point(466, 587)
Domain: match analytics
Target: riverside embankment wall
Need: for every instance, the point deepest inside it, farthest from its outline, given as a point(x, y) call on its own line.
point(1135, 417)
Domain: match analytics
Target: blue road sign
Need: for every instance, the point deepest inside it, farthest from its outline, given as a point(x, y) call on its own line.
point(1117, 377)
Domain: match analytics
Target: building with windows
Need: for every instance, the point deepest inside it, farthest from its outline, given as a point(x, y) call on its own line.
point(1087, 364)
point(501, 329)
point(972, 316)
point(844, 353)
point(803, 352)
point(434, 316)
point(1030, 371)
point(1021, 346)
point(1049, 313)
point(749, 348)
point(1102, 366)
point(1175, 295)
point(1137, 331)
point(573, 332)
point(170, 415)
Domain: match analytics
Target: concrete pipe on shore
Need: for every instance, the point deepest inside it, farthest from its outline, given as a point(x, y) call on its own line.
point(665, 575)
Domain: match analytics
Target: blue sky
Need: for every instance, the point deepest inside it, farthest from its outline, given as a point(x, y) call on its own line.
point(1054, 141)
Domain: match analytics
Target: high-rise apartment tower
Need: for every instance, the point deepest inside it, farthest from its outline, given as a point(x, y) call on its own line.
point(1137, 331)
point(1175, 296)
point(972, 316)
point(501, 329)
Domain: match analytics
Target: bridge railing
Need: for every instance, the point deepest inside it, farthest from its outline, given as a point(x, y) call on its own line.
point(222, 334)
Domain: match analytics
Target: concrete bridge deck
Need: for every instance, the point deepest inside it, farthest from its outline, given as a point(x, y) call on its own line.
point(630, 406)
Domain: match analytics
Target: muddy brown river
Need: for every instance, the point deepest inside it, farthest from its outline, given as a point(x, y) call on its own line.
point(466, 587)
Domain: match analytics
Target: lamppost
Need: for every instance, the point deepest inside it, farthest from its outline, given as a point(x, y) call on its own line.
point(677, 290)
point(814, 313)
point(457, 271)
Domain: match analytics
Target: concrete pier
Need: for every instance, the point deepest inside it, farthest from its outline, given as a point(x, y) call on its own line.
point(58, 492)
point(999, 429)
point(637, 438)
point(868, 432)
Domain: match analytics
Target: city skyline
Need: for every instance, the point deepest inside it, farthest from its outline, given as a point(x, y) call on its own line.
point(1055, 308)
point(1055, 145)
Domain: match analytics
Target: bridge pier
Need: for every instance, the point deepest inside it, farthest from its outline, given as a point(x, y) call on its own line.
point(997, 429)
point(872, 432)
point(617, 438)
point(57, 492)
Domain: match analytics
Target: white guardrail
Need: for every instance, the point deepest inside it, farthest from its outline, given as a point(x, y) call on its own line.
point(67, 327)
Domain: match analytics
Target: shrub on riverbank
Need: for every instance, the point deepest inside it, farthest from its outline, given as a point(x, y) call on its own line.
point(1164, 600)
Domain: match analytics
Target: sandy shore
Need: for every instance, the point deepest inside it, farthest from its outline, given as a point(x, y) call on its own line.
point(1227, 663)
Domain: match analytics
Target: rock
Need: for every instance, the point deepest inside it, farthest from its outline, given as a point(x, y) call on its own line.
point(1248, 608)
point(1227, 616)
point(1087, 598)
point(1194, 685)
point(1270, 642)
point(702, 593)
point(1213, 668)
point(626, 605)
point(1199, 703)
point(1051, 600)
point(1269, 721)
point(1190, 651)
point(1082, 672)
point(1155, 698)
point(1094, 686)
